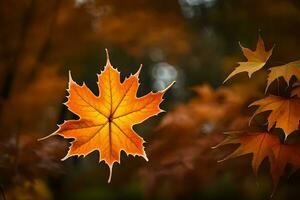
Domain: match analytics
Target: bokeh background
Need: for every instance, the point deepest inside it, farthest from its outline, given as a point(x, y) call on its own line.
point(194, 42)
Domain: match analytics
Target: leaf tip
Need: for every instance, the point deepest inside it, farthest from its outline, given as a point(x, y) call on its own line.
point(110, 173)
point(162, 111)
point(70, 77)
point(138, 71)
point(266, 90)
point(65, 158)
point(46, 137)
point(145, 157)
point(168, 87)
point(240, 44)
point(107, 57)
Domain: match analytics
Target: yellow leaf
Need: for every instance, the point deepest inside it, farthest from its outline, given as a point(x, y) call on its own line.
point(285, 112)
point(255, 59)
point(286, 71)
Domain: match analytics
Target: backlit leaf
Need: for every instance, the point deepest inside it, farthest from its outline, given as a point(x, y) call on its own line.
point(259, 144)
point(106, 121)
point(255, 59)
point(285, 112)
point(286, 71)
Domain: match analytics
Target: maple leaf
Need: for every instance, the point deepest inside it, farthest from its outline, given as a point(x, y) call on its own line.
point(264, 145)
point(286, 71)
point(106, 121)
point(258, 143)
point(285, 112)
point(255, 59)
point(283, 154)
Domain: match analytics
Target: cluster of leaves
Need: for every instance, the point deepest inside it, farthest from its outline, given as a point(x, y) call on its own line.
point(282, 119)
point(105, 125)
point(38, 38)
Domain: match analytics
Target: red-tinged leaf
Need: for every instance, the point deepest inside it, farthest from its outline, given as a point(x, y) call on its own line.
point(259, 144)
point(283, 154)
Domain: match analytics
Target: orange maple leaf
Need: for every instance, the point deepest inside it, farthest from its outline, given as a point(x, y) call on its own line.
point(255, 59)
point(286, 71)
point(258, 143)
point(283, 154)
point(265, 145)
point(106, 121)
point(285, 112)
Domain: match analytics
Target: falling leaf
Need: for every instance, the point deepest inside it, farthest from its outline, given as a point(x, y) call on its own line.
point(285, 112)
point(106, 121)
point(255, 59)
point(284, 154)
point(286, 71)
point(259, 144)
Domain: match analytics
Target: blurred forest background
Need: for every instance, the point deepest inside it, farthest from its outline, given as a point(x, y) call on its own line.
point(194, 42)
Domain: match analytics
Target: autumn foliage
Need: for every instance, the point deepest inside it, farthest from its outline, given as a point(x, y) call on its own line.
point(103, 118)
point(106, 121)
point(283, 118)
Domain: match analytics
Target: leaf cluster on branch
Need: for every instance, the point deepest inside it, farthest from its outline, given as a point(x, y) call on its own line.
point(283, 115)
